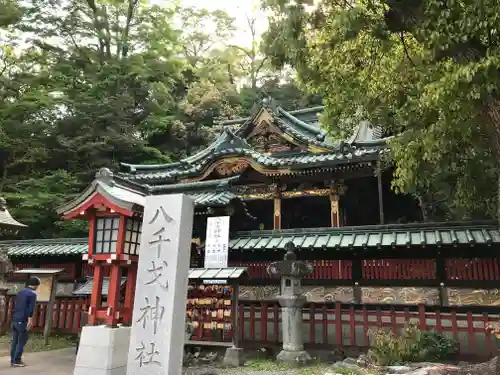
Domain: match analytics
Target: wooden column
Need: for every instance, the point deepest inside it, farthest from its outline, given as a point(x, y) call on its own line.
point(277, 213)
point(334, 210)
point(113, 313)
point(235, 315)
point(50, 309)
point(92, 220)
point(277, 207)
point(337, 189)
point(357, 276)
point(380, 193)
point(441, 277)
point(115, 279)
point(130, 292)
point(96, 297)
point(4, 306)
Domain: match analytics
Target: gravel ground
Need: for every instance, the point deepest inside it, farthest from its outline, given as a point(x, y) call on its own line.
point(198, 370)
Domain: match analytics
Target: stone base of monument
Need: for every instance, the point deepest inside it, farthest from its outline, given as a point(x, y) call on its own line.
point(298, 358)
point(233, 357)
point(102, 351)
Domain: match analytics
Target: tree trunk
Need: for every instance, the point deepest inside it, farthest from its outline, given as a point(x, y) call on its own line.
point(493, 114)
point(3, 178)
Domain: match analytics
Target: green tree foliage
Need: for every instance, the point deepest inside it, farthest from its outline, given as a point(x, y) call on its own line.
point(90, 83)
point(425, 70)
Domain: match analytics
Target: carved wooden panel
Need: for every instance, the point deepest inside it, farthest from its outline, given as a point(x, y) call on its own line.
point(266, 138)
point(229, 168)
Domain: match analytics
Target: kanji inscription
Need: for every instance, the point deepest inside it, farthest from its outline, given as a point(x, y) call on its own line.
point(147, 355)
point(160, 239)
point(151, 313)
point(160, 211)
point(161, 289)
point(156, 274)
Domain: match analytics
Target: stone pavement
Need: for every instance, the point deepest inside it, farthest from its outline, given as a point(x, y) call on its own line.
point(53, 362)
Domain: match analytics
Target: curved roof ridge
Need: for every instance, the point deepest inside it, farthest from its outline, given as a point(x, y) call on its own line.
point(197, 185)
point(226, 133)
point(149, 167)
point(47, 241)
point(373, 143)
point(431, 225)
point(320, 133)
point(301, 111)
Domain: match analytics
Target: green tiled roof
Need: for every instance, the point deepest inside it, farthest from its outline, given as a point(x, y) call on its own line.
point(216, 273)
point(86, 289)
point(128, 188)
point(55, 247)
point(193, 188)
point(408, 235)
point(294, 160)
point(206, 199)
point(365, 145)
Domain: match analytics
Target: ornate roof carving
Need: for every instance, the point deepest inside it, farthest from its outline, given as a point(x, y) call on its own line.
point(271, 139)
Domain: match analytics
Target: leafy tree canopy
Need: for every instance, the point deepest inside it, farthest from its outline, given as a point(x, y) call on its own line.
point(87, 84)
point(426, 71)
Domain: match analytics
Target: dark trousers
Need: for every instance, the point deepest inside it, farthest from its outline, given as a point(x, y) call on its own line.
point(19, 340)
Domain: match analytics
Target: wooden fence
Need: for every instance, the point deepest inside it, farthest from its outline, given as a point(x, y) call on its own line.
point(451, 271)
point(326, 325)
point(338, 325)
point(67, 316)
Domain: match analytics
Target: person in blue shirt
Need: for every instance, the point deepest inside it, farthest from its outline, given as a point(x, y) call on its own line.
point(22, 316)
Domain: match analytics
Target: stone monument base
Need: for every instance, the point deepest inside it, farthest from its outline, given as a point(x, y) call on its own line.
point(234, 357)
point(297, 358)
point(102, 351)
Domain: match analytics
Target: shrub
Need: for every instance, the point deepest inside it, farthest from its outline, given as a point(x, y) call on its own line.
point(438, 346)
point(414, 345)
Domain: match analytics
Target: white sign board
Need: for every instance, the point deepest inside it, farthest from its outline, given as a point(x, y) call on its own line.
point(217, 242)
point(159, 316)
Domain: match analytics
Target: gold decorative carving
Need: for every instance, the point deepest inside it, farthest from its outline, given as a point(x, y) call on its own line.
point(263, 196)
point(277, 214)
point(334, 202)
point(249, 192)
point(270, 143)
point(229, 168)
point(396, 295)
point(259, 292)
point(268, 138)
point(249, 163)
point(317, 294)
point(303, 193)
point(268, 192)
point(463, 296)
point(400, 295)
point(337, 187)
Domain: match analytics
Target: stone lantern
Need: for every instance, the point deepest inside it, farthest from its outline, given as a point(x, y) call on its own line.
point(291, 300)
point(8, 225)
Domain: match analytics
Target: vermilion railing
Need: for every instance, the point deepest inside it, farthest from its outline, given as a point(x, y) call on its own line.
point(326, 325)
point(454, 270)
point(67, 316)
point(337, 325)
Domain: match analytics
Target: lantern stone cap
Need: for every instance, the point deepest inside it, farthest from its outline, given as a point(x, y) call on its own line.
point(39, 271)
point(7, 222)
point(290, 266)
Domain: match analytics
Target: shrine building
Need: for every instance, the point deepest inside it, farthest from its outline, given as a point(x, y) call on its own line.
point(281, 178)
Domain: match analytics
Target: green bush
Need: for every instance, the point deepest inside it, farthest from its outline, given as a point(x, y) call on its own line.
point(414, 345)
